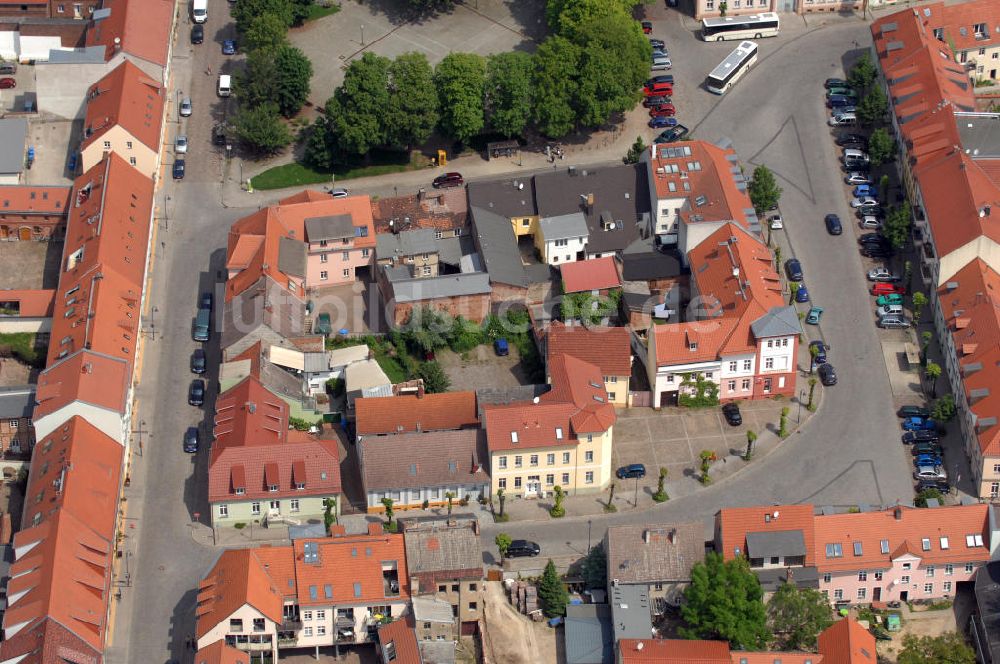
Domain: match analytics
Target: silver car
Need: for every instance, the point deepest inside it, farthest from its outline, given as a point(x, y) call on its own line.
point(186, 107)
point(181, 144)
point(869, 221)
point(929, 473)
point(893, 322)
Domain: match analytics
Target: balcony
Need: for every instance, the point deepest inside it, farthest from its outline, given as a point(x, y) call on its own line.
point(287, 639)
point(390, 583)
point(290, 624)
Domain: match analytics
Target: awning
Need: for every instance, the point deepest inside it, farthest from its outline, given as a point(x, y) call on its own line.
point(271, 474)
point(286, 357)
point(238, 477)
point(299, 472)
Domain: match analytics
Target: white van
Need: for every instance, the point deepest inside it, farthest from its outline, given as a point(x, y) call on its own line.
point(890, 310)
point(662, 63)
point(842, 120)
point(225, 85)
point(199, 10)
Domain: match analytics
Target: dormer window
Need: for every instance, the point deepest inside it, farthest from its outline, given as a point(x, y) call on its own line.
point(973, 540)
point(300, 486)
point(240, 491)
point(944, 543)
point(925, 544)
point(273, 488)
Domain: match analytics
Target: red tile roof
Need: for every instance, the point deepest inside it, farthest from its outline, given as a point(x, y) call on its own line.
point(30, 303)
point(576, 405)
point(85, 377)
point(220, 653)
point(591, 275)
point(253, 444)
point(139, 27)
point(126, 97)
point(735, 523)
point(401, 639)
point(847, 642)
point(48, 642)
point(953, 18)
point(443, 210)
point(418, 460)
point(409, 413)
point(744, 657)
point(672, 651)
point(33, 200)
point(970, 306)
point(607, 348)
point(237, 579)
point(348, 570)
point(104, 264)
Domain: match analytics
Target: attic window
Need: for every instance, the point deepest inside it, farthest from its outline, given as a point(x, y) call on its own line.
point(834, 550)
point(973, 540)
point(413, 469)
point(357, 589)
point(885, 546)
point(513, 436)
point(559, 434)
point(857, 548)
point(452, 467)
point(700, 200)
point(925, 544)
point(944, 543)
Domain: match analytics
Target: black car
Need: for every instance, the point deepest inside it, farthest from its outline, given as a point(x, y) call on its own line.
point(913, 437)
point(871, 238)
point(520, 548)
point(664, 78)
point(196, 393)
point(793, 268)
point(827, 374)
point(871, 211)
point(926, 448)
point(854, 166)
point(851, 140)
point(673, 134)
point(940, 485)
point(833, 225)
point(876, 251)
point(205, 302)
point(732, 413)
point(657, 44)
point(197, 33)
point(179, 169)
point(913, 411)
point(219, 135)
point(446, 180)
point(198, 362)
point(191, 440)
point(655, 101)
point(836, 83)
point(631, 471)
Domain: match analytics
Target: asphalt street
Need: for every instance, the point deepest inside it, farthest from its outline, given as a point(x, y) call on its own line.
point(848, 454)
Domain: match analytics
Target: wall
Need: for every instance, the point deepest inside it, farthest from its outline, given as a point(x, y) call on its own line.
point(985, 66)
point(362, 618)
point(335, 263)
point(32, 325)
point(461, 593)
point(782, 376)
point(240, 511)
point(110, 422)
point(707, 8)
point(617, 386)
point(36, 8)
point(117, 140)
point(812, 6)
point(557, 255)
point(22, 432)
point(62, 88)
point(413, 498)
point(981, 247)
point(571, 475)
point(892, 583)
point(38, 226)
point(473, 307)
point(521, 228)
point(247, 614)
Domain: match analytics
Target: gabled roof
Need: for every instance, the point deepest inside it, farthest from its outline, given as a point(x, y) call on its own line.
point(958, 21)
point(398, 639)
point(410, 413)
point(126, 97)
point(589, 637)
point(664, 553)
point(138, 27)
point(236, 580)
point(590, 275)
point(672, 651)
point(498, 247)
point(34, 200)
point(220, 653)
point(347, 570)
point(444, 550)
point(441, 210)
point(607, 348)
point(263, 304)
point(48, 642)
point(847, 642)
point(735, 524)
point(86, 377)
point(419, 460)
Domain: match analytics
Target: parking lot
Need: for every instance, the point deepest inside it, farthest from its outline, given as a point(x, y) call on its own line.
point(481, 367)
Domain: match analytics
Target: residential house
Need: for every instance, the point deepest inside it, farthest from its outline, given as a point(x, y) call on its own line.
point(365, 380)
point(17, 432)
point(416, 413)
point(134, 31)
point(970, 31)
point(397, 642)
point(444, 211)
point(33, 213)
point(597, 276)
point(13, 149)
point(985, 623)
point(631, 615)
point(415, 251)
point(714, 8)
point(739, 334)
point(26, 310)
point(588, 635)
point(221, 653)
point(433, 619)
point(562, 438)
point(264, 313)
point(445, 560)
point(657, 558)
point(49, 9)
point(254, 361)
point(125, 116)
point(262, 469)
point(607, 348)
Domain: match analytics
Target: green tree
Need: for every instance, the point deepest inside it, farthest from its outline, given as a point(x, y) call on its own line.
point(944, 409)
point(812, 390)
point(429, 6)
point(565, 17)
point(387, 503)
point(435, 379)
point(294, 72)
point(320, 145)
point(783, 423)
point(764, 190)
point(925, 495)
point(595, 567)
point(558, 510)
point(793, 288)
point(508, 92)
point(552, 592)
point(329, 513)
point(460, 80)
point(357, 110)
point(413, 101)
point(872, 109)
point(300, 10)
point(813, 354)
point(881, 147)
point(751, 440)
point(450, 495)
point(897, 225)
point(264, 31)
point(723, 8)
point(257, 83)
point(245, 11)
point(502, 540)
point(661, 493)
point(555, 86)
point(614, 62)
point(932, 371)
point(950, 648)
point(724, 601)
point(501, 498)
point(797, 616)
point(925, 341)
point(261, 129)
point(611, 496)
point(919, 302)
point(634, 153)
point(863, 73)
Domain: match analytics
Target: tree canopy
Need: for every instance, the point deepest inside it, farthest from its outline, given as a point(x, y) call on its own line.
point(261, 129)
point(764, 190)
point(614, 62)
point(872, 109)
point(556, 64)
point(950, 648)
point(264, 31)
point(897, 225)
point(796, 616)
point(863, 73)
point(357, 110)
point(413, 101)
point(245, 11)
point(566, 16)
point(294, 73)
point(508, 92)
point(881, 147)
point(460, 79)
point(724, 601)
point(552, 592)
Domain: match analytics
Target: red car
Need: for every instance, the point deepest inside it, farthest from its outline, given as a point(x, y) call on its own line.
point(883, 288)
point(448, 180)
point(647, 27)
point(663, 111)
point(659, 90)
point(7, 83)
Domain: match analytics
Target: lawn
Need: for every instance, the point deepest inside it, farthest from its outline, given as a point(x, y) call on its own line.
point(22, 346)
point(297, 174)
point(319, 11)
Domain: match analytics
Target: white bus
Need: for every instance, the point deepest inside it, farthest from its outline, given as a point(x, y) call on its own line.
point(732, 68)
point(740, 27)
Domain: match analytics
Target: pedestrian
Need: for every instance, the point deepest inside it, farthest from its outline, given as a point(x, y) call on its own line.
point(209, 70)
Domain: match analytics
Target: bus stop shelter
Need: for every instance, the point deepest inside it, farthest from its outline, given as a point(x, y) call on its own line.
point(498, 149)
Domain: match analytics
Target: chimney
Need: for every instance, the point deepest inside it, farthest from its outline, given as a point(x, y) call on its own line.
point(421, 194)
point(898, 513)
point(672, 536)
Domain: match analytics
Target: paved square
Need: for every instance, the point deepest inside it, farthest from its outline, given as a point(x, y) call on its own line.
point(481, 367)
point(30, 265)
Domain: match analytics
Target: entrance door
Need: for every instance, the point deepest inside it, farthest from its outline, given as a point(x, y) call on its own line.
point(24, 233)
point(786, 6)
point(903, 596)
point(533, 487)
point(876, 594)
point(993, 74)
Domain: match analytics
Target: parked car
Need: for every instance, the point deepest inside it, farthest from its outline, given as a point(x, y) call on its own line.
point(871, 238)
point(928, 460)
point(181, 144)
point(647, 27)
point(842, 92)
point(913, 411)
point(885, 288)
point(196, 393)
point(662, 78)
point(776, 223)
point(673, 134)
point(930, 473)
point(840, 119)
point(827, 374)
point(8, 68)
point(633, 470)
point(339, 192)
point(926, 448)
point(857, 178)
point(835, 83)
point(520, 548)
point(324, 325)
point(840, 102)
point(660, 53)
point(877, 251)
point(191, 440)
point(914, 437)
point(887, 300)
point(178, 169)
point(731, 411)
point(854, 166)
point(865, 190)
point(793, 269)
point(870, 222)
point(940, 485)
point(658, 100)
point(7, 83)
point(663, 110)
point(198, 361)
point(501, 348)
point(919, 424)
point(833, 225)
point(820, 356)
point(229, 47)
point(881, 273)
point(205, 301)
point(854, 154)
point(659, 122)
point(802, 294)
point(197, 33)
point(658, 89)
point(860, 201)
point(657, 44)
point(851, 139)
point(893, 322)
point(814, 315)
point(448, 180)
point(186, 108)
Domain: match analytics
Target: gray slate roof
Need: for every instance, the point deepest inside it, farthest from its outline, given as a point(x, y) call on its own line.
point(419, 460)
point(777, 543)
point(407, 243)
point(432, 546)
point(778, 322)
point(987, 622)
point(451, 250)
point(507, 198)
point(430, 609)
point(437, 652)
point(407, 289)
point(563, 226)
point(631, 559)
point(292, 257)
point(13, 138)
point(17, 401)
point(588, 635)
point(330, 227)
point(245, 313)
point(803, 577)
point(498, 247)
point(630, 614)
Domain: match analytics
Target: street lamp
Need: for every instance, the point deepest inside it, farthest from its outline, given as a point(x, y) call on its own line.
point(798, 417)
point(589, 523)
point(362, 34)
point(152, 323)
point(635, 501)
point(166, 213)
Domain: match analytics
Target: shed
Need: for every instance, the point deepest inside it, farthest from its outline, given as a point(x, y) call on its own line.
point(13, 139)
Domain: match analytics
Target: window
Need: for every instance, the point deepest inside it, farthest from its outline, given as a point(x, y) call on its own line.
point(862, 575)
point(565, 457)
point(928, 588)
point(307, 616)
point(307, 631)
point(454, 587)
point(561, 243)
point(784, 343)
point(862, 593)
point(925, 544)
point(346, 255)
point(323, 258)
point(273, 488)
point(969, 567)
point(708, 375)
point(502, 462)
point(223, 511)
point(939, 34)
point(235, 625)
point(884, 546)
point(946, 586)
point(905, 578)
point(107, 145)
point(732, 386)
point(768, 362)
point(565, 479)
point(347, 273)
point(732, 366)
point(670, 378)
point(365, 253)
point(294, 506)
point(878, 576)
point(533, 460)
point(930, 570)
point(827, 577)
point(589, 477)
point(128, 144)
point(550, 479)
point(132, 161)
point(611, 396)
point(770, 343)
point(973, 540)
point(321, 630)
point(996, 469)
point(747, 365)
point(13, 424)
point(838, 594)
point(502, 483)
point(906, 566)
point(834, 550)
point(255, 508)
point(588, 456)
point(518, 461)
point(994, 489)
point(949, 569)
point(550, 459)
point(322, 243)
point(517, 482)
point(944, 542)
point(427, 270)
point(857, 548)
point(745, 384)
point(982, 32)
point(258, 624)
point(323, 276)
